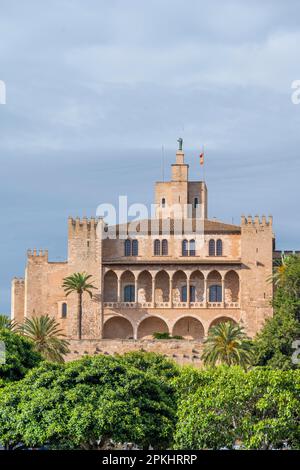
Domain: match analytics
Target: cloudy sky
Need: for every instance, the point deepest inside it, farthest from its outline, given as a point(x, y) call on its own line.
point(95, 88)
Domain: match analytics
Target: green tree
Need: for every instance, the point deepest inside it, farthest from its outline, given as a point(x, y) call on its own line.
point(274, 343)
point(48, 338)
point(20, 356)
point(79, 283)
point(227, 344)
point(226, 406)
point(83, 404)
point(151, 362)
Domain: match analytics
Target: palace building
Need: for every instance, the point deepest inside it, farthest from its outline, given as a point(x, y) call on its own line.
point(163, 277)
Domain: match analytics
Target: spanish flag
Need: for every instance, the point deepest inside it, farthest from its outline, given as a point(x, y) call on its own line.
point(202, 158)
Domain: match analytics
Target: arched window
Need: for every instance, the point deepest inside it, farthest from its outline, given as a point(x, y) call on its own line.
point(215, 293)
point(184, 248)
point(212, 247)
point(64, 310)
point(164, 247)
point(196, 202)
point(192, 248)
point(163, 202)
point(129, 293)
point(127, 247)
point(156, 247)
point(219, 248)
point(135, 248)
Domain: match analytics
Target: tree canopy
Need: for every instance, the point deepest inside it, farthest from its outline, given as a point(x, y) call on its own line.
point(20, 356)
point(84, 403)
point(274, 343)
point(226, 406)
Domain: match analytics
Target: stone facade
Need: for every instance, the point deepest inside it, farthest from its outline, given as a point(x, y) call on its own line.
point(180, 282)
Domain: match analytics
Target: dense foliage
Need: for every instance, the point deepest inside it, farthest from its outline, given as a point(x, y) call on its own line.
point(274, 344)
point(227, 407)
point(84, 403)
point(20, 356)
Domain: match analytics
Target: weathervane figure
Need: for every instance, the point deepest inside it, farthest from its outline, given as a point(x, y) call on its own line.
point(180, 142)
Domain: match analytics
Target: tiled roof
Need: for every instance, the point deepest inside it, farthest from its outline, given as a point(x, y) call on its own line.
point(157, 225)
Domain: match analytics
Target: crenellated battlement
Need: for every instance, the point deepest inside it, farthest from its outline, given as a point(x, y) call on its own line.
point(37, 254)
point(85, 227)
point(256, 221)
point(18, 280)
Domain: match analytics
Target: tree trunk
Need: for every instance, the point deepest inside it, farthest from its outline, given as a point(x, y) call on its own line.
point(79, 314)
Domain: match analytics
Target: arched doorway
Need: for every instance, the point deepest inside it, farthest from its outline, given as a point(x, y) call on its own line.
point(117, 328)
point(189, 328)
point(110, 287)
point(179, 287)
point(162, 287)
point(144, 287)
point(232, 287)
point(151, 325)
point(127, 286)
point(214, 285)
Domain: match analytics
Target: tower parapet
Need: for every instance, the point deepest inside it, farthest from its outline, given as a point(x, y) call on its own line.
point(256, 221)
point(37, 254)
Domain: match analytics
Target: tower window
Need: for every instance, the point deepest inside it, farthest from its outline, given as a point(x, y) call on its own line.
point(156, 247)
point(192, 248)
point(184, 248)
point(64, 310)
point(196, 202)
point(164, 247)
point(219, 247)
point(135, 248)
point(215, 293)
point(212, 248)
point(127, 247)
point(163, 202)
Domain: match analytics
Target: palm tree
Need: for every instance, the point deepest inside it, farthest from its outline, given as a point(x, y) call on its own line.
point(7, 323)
point(280, 269)
point(79, 283)
point(47, 337)
point(227, 344)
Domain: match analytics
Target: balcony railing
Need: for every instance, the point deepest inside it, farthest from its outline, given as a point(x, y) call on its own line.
point(169, 305)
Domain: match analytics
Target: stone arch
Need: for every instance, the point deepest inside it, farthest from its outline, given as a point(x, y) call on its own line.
point(179, 281)
point(162, 286)
point(222, 319)
point(150, 325)
point(189, 328)
point(232, 286)
point(197, 280)
point(144, 287)
point(117, 328)
point(110, 287)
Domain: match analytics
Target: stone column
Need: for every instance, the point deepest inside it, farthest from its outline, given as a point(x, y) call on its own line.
point(119, 290)
point(205, 293)
point(171, 292)
point(153, 290)
point(188, 291)
point(135, 290)
point(223, 292)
